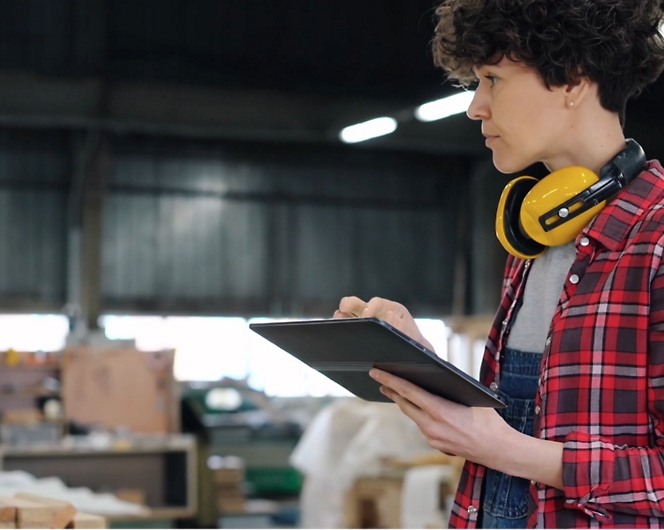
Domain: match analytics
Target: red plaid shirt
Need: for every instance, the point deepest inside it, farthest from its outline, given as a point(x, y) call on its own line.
point(601, 389)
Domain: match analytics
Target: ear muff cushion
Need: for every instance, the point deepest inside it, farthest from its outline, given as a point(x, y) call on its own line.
point(547, 195)
point(508, 228)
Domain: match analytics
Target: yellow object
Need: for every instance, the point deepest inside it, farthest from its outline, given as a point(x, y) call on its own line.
point(542, 197)
point(534, 215)
point(508, 228)
point(558, 188)
point(12, 358)
point(122, 445)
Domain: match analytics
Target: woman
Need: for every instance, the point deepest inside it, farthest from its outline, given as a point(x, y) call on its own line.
point(577, 347)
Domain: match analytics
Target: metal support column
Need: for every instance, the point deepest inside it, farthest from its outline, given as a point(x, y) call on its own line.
point(91, 174)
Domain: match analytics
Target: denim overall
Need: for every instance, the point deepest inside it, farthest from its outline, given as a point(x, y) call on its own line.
point(505, 498)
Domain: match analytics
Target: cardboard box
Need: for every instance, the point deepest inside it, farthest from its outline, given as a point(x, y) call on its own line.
point(120, 387)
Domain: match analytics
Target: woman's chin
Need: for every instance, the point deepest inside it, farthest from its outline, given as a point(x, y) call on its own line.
point(506, 164)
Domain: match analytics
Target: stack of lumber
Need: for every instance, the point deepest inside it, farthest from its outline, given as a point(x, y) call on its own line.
point(25, 510)
point(433, 458)
point(230, 493)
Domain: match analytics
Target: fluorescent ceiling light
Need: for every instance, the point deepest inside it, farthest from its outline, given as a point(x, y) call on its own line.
point(442, 108)
point(368, 130)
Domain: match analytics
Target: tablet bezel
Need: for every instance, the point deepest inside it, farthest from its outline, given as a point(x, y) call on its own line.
point(461, 388)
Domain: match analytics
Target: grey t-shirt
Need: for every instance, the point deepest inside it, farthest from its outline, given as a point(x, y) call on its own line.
point(544, 286)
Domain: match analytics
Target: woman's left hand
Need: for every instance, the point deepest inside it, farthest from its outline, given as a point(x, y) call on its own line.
point(468, 432)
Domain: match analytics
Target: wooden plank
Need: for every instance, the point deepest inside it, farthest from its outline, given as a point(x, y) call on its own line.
point(22, 416)
point(29, 514)
point(61, 512)
point(135, 495)
point(7, 513)
point(87, 520)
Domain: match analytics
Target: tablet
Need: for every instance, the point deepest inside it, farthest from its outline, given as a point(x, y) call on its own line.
point(346, 349)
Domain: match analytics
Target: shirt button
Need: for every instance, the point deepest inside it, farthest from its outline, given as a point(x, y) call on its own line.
point(584, 241)
point(472, 509)
point(537, 409)
point(493, 386)
point(570, 501)
point(548, 342)
point(574, 279)
point(533, 482)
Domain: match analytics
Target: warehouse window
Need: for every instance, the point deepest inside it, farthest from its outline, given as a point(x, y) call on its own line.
point(280, 374)
point(437, 333)
point(34, 333)
point(211, 348)
point(206, 348)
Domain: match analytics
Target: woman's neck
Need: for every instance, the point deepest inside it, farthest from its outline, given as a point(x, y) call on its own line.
point(592, 142)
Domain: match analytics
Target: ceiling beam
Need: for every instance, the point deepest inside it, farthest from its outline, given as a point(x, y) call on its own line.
point(189, 111)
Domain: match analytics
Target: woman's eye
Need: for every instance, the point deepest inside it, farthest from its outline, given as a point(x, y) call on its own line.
point(491, 79)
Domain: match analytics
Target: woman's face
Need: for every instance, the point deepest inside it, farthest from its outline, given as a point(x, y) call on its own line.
point(523, 120)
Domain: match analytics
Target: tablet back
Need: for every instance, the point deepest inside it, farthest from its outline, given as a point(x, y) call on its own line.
point(346, 349)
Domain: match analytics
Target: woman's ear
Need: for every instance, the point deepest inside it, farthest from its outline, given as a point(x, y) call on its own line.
point(576, 91)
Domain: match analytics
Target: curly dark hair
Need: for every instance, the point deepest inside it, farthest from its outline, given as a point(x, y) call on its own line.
point(614, 43)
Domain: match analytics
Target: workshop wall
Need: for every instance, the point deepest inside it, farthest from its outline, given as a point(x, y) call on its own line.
point(34, 176)
point(240, 228)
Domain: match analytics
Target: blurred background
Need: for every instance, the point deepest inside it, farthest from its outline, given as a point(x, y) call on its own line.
point(173, 170)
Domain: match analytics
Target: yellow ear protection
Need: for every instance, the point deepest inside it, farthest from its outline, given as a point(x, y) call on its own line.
point(533, 215)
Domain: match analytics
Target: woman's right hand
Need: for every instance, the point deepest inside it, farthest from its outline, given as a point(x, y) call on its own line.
point(394, 313)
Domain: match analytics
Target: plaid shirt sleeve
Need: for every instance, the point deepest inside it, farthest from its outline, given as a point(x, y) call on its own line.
point(600, 477)
point(601, 388)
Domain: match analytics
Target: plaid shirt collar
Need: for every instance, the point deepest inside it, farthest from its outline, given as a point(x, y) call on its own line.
point(613, 224)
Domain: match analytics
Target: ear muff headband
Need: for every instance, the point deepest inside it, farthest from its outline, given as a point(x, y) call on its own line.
point(556, 209)
point(508, 229)
point(582, 197)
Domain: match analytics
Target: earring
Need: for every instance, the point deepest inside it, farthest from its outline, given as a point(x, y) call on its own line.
point(570, 103)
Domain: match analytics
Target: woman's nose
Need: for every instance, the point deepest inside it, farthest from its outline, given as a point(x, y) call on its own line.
point(478, 108)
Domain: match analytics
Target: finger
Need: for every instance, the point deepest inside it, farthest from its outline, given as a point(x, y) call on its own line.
point(399, 310)
point(424, 421)
point(419, 416)
point(341, 314)
point(391, 318)
point(413, 393)
point(352, 305)
point(377, 307)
